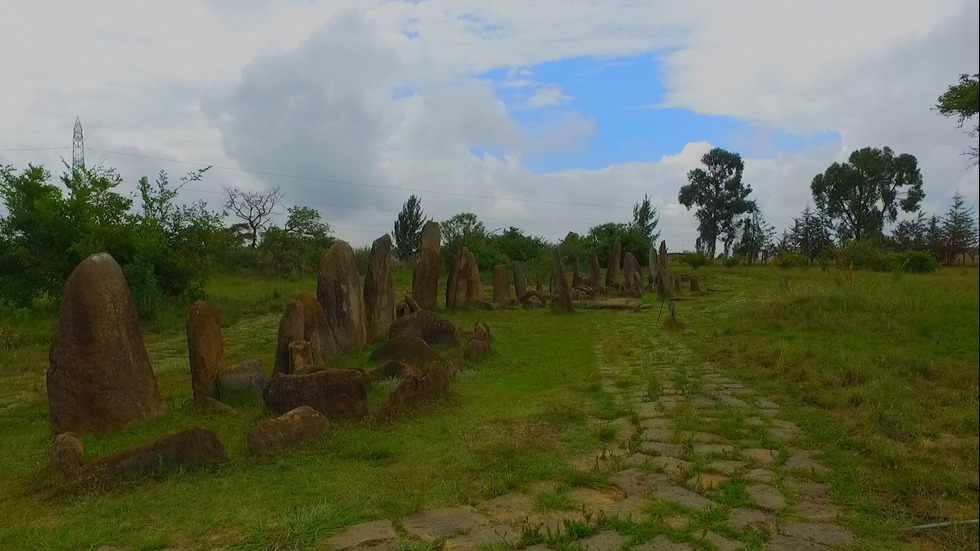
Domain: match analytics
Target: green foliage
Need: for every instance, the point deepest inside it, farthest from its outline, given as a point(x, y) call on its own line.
point(959, 230)
point(755, 242)
point(732, 261)
point(791, 259)
point(408, 229)
point(604, 236)
point(862, 255)
point(696, 259)
point(296, 248)
point(916, 262)
point(514, 245)
point(645, 219)
point(810, 234)
point(963, 102)
point(862, 194)
point(719, 195)
point(466, 230)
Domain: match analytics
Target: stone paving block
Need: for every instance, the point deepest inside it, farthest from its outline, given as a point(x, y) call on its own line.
point(501, 534)
point(683, 497)
point(658, 423)
point(360, 534)
point(817, 532)
point(632, 507)
point(764, 476)
point(636, 482)
point(726, 467)
point(647, 410)
point(509, 507)
point(713, 449)
point(604, 541)
point(812, 510)
point(706, 482)
point(720, 542)
point(663, 543)
point(766, 497)
point(441, 523)
point(663, 448)
point(802, 460)
point(596, 500)
point(751, 519)
point(780, 542)
point(656, 435)
point(762, 457)
point(671, 466)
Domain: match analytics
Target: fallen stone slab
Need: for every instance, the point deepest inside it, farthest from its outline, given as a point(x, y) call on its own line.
point(184, 449)
point(766, 497)
point(289, 429)
point(817, 532)
point(361, 534)
point(416, 388)
point(625, 303)
point(242, 381)
point(332, 392)
point(682, 497)
point(407, 349)
point(434, 329)
point(500, 535)
point(441, 523)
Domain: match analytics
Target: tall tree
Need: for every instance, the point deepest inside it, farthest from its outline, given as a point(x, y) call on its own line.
point(254, 208)
point(910, 235)
point(756, 238)
point(462, 230)
point(810, 234)
point(959, 230)
point(646, 218)
point(408, 229)
point(963, 102)
point(305, 223)
point(863, 193)
point(719, 195)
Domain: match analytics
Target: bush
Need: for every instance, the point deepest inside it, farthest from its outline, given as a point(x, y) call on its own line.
point(862, 255)
point(697, 259)
point(790, 259)
point(916, 262)
point(732, 261)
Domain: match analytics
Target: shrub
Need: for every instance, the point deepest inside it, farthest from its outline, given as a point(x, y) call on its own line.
point(697, 259)
point(916, 262)
point(732, 261)
point(862, 255)
point(790, 259)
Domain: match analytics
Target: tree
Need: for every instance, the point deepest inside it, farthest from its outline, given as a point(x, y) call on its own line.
point(305, 223)
point(810, 234)
point(963, 102)
point(910, 235)
point(255, 208)
point(719, 195)
point(645, 219)
point(863, 193)
point(604, 236)
point(513, 244)
point(408, 229)
point(462, 230)
point(756, 239)
point(959, 230)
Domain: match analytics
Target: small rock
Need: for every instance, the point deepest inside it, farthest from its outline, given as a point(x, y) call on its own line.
point(67, 454)
point(289, 429)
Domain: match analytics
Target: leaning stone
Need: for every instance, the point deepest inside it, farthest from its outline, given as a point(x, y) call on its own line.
point(242, 381)
point(440, 523)
point(412, 305)
point(304, 320)
point(631, 272)
point(67, 455)
point(289, 429)
point(291, 329)
point(190, 447)
point(334, 392)
point(415, 389)
point(338, 290)
point(379, 290)
point(99, 378)
point(425, 278)
point(561, 303)
point(361, 534)
point(410, 350)
point(205, 349)
point(430, 327)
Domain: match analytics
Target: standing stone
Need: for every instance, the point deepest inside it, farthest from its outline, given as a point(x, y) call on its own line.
point(695, 287)
point(300, 356)
point(631, 272)
point(665, 284)
point(291, 329)
point(99, 377)
point(379, 290)
point(612, 264)
point(576, 277)
point(205, 349)
point(431, 236)
point(501, 284)
point(463, 288)
point(338, 289)
point(520, 283)
point(304, 320)
point(595, 272)
point(561, 301)
point(67, 455)
point(425, 278)
point(652, 267)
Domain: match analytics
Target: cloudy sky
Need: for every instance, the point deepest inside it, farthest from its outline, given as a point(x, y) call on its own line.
point(550, 116)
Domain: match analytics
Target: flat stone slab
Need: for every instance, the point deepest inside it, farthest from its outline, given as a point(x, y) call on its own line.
point(726, 467)
point(720, 542)
point(683, 497)
point(501, 534)
point(764, 476)
point(780, 542)
point(671, 466)
point(359, 534)
point(818, 532)
point(751, 519)
point(441, 523)
point(662, 543)
point(595, 500)
point(802, 460)
point(604, 541)
point(632, 507)
point(635, 482)
point(509, 507)
point(762, 457)
point(766, 497)
point(648, 410)
point(813, 490)
point(663, 448)
point(706, 482)
point(658, 423)
point(656, 434)
point(812, 510)
point(702, 437)
point(713, 449)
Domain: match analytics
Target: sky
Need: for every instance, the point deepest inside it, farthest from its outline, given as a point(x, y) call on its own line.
point(549, 116)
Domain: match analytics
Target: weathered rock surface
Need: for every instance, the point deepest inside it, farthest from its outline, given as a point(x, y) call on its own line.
point(561, 302)
point(99, 378)
point(430, 327)
point(441, 523)
point(191, 447)
point(304, 320)
point(431, 236)
point(333, 392)
point(463, 288)
point(300, 356)
point(476, 350)
point(67, 455)
point(379, 290)
point(289, 429)
point(392, 369)
point(631, 272)
point(205, 349)
point(612, 263)
point(520, 281)
point(410, 350)
point(595, 271)
point(501, 284)
point(338, 290)
point(425, 278)
point(360, 535)
point(416, 388)
point(242, 381)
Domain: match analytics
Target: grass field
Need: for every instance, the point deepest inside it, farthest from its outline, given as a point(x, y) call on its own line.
point(879, 370)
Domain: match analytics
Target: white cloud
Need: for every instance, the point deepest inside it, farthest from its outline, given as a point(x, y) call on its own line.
point(549, 95)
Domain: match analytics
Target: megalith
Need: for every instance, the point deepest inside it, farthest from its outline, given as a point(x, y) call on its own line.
point(612, 264)
point(99, 378)
point(425, 275)
point(338, 289)
point(501, 284)
point(205, 349)
point(595, 272)
point(561, 300)
point(463, 288)
point(520, 282)
point(631, 272)
point(304, 320)
point(379, 290)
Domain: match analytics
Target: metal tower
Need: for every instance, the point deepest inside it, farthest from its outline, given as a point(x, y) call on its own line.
point(77, 146)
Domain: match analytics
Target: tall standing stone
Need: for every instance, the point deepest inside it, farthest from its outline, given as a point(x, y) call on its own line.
point(520, 282)
point(99, 378)
point(612, 264)
point(379, 290)
point(576, 276)
point(338, 289)
point(652, 267)
point(205, 349)
point(463, 287)
point(425, 275)
point(595, 272)
point(561, 299)
point(665, 284)
point(304, 320)
point(501, 284)
point(631, 272)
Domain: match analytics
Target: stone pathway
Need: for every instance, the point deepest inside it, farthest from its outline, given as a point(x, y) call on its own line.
point(698, 461)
